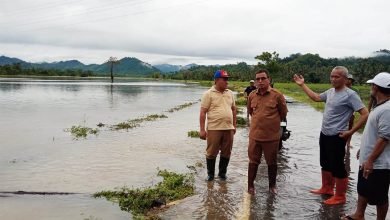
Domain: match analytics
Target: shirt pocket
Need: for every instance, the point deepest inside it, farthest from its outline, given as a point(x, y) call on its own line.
point(270, 108)
point(254, 107)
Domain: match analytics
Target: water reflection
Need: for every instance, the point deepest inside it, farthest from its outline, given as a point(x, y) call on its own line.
point(36, 155)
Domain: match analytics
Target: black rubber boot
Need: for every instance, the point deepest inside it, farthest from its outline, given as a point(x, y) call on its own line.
point(210, 169)
point(223, 163)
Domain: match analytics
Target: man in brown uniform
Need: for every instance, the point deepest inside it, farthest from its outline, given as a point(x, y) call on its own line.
point(219, 106)
point(267, 108)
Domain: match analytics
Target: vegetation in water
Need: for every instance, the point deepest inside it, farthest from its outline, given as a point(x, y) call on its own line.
point(241, 122)
point(241, 101)
point(179, 107)
point(82, 131)
point(129, 124)
point(173, 187)
point(193, 134)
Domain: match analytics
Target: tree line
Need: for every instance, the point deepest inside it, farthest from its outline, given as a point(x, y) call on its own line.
point(315, 68)
point(17, 69)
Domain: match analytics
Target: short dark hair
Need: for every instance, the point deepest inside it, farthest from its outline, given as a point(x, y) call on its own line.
point(263, 71)
point(385, 91)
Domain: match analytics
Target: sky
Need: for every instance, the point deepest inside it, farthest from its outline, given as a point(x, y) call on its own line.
point(181, 32)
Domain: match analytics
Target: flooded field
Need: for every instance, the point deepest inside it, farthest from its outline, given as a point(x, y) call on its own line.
point(37, 155)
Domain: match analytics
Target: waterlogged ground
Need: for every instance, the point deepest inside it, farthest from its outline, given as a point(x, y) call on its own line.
point(36, 155)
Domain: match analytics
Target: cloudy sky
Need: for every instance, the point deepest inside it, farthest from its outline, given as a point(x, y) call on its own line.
point(190, 31)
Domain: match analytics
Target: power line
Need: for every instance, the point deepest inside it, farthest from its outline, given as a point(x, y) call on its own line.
point(30, 10)
point(102, 8)
point(121, 15)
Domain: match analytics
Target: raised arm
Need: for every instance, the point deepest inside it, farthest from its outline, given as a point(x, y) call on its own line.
point(300, 81)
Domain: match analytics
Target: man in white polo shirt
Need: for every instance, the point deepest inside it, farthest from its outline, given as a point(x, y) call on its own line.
point(374, 172)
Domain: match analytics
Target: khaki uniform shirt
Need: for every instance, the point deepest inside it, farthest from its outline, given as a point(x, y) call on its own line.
point(266, 110)
point(219, 106)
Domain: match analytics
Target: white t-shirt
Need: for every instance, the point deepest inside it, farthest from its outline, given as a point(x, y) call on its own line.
point(378, 125)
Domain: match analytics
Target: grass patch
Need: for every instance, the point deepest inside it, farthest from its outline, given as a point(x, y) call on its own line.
point(81, 131)
point(180, 107)
point(241, 122)
point(139, 201)
point(241, 101)
point(193, 134)
point(130, 124)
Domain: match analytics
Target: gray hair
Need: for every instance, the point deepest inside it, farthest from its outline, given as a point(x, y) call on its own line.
point(343, 69)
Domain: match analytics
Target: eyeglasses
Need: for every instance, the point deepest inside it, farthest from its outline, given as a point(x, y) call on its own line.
point(225, 79)
point(261, 78)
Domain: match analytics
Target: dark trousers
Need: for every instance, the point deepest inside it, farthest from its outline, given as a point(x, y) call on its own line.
point(332, 152)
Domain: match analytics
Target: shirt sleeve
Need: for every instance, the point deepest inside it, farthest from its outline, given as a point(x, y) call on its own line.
point(356, 102)
point(384, 124)
point(324, 95)
point(206, 100)
point(282, 107)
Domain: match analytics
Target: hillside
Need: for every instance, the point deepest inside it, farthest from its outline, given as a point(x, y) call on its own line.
point(128, 66)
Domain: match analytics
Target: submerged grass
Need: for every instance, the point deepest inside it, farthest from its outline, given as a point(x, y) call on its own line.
point(193, 134)
point(130, 124)
point(241, 122)
point(180, 107)
point(139, 201)
point(241, 101)
point(81, 131)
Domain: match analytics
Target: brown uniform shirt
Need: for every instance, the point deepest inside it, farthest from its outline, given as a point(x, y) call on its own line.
point(266, 110)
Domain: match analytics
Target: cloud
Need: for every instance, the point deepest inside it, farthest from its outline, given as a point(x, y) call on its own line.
point(191, 30)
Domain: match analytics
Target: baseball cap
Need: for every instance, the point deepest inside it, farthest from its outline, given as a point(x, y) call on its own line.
point(350, 76)
point(252, 81)
point(381, 79)
point(221, 74)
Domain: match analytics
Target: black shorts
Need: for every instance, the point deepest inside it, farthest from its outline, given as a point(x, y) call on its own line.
point(332, 153)
point(375, 188)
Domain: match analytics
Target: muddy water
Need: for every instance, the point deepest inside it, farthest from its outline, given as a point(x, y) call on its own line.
point(36, 155)
point(298, 172)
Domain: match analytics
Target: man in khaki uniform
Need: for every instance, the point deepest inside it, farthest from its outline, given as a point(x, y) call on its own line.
point(267, 108)
point(219, 107)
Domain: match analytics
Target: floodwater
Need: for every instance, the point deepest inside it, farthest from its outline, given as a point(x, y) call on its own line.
point(37, 155)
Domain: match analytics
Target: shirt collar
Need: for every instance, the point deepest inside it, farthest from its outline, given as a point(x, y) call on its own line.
point(268, 91)
point(215, 90)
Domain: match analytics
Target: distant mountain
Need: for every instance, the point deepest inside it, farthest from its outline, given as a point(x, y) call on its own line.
point(8, 60)
point(188, 66)
point(168, 68)
point(69, 64)
point(128, 66)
